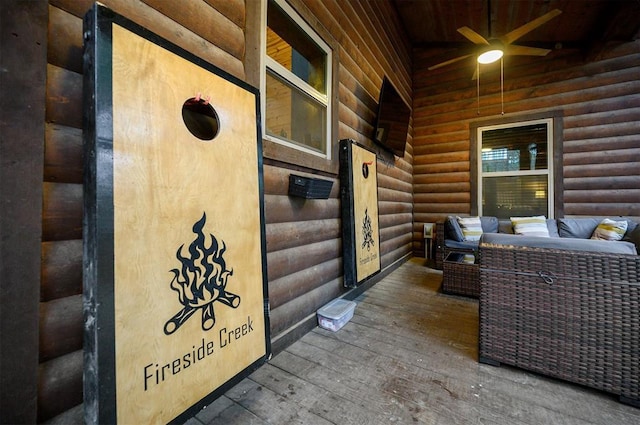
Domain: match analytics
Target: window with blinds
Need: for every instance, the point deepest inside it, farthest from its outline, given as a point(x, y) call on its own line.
point(515, 169)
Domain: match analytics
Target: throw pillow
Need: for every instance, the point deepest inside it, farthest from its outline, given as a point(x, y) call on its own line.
point(610, 230)
point(471, 228)
point(453, 230)
point(530, 226)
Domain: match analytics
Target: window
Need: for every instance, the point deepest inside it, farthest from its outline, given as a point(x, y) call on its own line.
point(297, 83)
point(516, 169)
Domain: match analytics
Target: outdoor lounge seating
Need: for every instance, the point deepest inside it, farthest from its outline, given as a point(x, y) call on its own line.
point(562, 310)
point(458, 239)
point(564, 305)
point(449, 236)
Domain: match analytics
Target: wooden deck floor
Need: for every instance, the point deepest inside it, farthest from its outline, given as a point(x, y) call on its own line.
point(408, 356)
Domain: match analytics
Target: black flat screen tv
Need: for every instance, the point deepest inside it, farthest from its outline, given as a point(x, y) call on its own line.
point(392, 122)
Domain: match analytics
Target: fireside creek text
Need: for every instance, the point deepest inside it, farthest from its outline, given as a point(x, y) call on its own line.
point(157, 373)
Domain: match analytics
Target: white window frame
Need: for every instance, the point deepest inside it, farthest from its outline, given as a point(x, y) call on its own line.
point(294, 80)
point(549, 171)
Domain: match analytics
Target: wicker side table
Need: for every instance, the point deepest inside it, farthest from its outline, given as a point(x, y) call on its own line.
point(461, 275)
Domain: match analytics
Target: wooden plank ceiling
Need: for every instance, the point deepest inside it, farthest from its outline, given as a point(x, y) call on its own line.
point(588, 25)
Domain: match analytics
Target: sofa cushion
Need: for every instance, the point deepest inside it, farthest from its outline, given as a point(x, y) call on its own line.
point(464, 246)
point(610, 230)
point(577, 227)
point(552, 226)
point(471, 228)
point(452, 229)
point(631, 225)
point(570, 244)
point(505, 226)
point(489, 224)
point(633, 236)
point(530, 226)
point(583, 227)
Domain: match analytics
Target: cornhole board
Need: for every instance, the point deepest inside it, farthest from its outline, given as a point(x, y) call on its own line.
point(359, 198)
point(175, 299)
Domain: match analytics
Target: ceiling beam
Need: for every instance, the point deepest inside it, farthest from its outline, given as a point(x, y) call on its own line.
point(620, 24)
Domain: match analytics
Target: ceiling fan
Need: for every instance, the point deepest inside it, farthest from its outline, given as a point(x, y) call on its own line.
point(493, 49)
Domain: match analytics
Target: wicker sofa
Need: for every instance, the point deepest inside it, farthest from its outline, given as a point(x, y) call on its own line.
point(564, 308)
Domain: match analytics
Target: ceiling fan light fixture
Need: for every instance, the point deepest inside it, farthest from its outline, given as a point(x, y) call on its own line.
point(490, 56)
point(492, 52)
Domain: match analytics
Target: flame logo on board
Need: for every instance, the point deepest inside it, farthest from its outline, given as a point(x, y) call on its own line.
point(367, 231)
point(201, 280)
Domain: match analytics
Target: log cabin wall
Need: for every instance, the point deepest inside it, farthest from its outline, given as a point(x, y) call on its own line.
point(304, 247)
point(600, 102)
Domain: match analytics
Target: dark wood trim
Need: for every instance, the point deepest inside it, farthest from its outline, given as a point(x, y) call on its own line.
point(23, 42)
point(252, 60)
point(473, 166)
point(558, 161)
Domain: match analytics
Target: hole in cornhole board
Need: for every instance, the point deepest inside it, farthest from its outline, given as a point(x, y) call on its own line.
point(200, 118)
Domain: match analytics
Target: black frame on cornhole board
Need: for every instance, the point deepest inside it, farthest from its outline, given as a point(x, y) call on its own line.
point(100, 304)
point(358, 190)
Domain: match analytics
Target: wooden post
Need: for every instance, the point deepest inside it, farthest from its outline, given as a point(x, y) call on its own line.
point(23, 42)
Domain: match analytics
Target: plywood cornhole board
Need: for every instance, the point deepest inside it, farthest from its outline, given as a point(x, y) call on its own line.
point(175, 272)
point(359, 196)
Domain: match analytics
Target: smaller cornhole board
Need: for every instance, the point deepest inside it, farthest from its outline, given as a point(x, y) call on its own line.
point(175, 299)
point(359, 202)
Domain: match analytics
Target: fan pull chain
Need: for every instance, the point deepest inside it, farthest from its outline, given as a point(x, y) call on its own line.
point(502, 85)
point(478, 85)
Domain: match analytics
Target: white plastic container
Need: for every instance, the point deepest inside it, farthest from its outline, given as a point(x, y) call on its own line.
point(336, 314)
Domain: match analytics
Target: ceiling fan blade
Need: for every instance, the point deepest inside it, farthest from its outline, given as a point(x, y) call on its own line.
point(519, 32)
point(515, 50)
point(473, 36)
point(449, 62)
